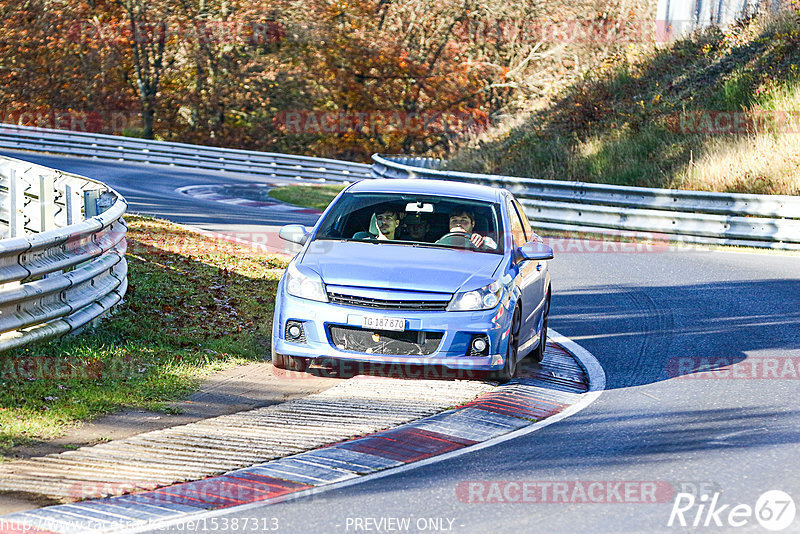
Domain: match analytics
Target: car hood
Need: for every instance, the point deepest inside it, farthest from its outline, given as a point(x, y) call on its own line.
point(403, 267)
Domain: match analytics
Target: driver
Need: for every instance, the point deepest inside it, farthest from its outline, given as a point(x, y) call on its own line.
point(463, 221)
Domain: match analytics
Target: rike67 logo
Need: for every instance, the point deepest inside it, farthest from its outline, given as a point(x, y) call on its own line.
point(774, 510)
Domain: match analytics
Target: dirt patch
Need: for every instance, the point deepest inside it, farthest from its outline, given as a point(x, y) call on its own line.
point(234, 390)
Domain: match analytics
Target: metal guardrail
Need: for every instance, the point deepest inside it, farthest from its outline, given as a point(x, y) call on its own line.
point(62, 256)
point(131, 149)
point(769, 221)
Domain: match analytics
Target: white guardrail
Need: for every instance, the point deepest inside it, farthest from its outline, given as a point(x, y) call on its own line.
point(769, 221)
point(131, 149)
point(62, 256)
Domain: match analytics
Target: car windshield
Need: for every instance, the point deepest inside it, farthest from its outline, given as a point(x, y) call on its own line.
point(414, 220)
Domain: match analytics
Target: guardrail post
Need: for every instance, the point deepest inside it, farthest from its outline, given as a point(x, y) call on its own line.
point(47, 202)
point(90, 204)
point(47, 209)
point(73, 206)
point(16, 199)
point(105, 201)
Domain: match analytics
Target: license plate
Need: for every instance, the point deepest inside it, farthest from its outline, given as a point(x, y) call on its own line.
point(378, 322)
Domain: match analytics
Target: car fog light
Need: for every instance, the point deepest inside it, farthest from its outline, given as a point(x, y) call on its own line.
point(479, 345)
point(294, 332)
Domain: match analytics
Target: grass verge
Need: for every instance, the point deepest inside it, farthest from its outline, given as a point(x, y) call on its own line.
point(309, 196)
point(195, 305)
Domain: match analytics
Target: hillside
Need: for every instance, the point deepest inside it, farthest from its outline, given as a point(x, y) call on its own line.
point(715, 111)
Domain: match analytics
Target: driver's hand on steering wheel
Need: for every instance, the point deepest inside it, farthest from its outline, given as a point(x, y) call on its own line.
point(480, 241)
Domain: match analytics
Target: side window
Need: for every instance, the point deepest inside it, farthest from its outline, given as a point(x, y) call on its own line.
point(517, 228)
point(525, 224)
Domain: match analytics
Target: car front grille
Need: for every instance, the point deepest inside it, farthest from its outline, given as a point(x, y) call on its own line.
point(408, 343)
point(366, 302)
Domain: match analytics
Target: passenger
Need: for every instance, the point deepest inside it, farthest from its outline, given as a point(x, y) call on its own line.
point(415, 228)
point(383, 226)
point(463, 221)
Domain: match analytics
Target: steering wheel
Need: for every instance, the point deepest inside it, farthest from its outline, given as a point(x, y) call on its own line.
point(459, 239)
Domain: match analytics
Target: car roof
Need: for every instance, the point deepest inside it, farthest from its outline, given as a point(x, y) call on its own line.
point(428, 187)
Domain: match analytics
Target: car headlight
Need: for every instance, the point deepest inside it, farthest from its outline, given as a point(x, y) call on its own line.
point(305, 286)
point(484, 298)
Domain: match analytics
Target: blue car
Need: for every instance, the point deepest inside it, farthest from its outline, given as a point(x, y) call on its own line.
point(415, 273)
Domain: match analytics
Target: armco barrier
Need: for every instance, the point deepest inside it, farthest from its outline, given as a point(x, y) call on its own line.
point(180, 154)
point(769, 221)
point(62, 259)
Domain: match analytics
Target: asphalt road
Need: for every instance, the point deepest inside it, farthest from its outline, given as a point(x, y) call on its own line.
point(151, 190)
point(635, 312)
point(647, 316)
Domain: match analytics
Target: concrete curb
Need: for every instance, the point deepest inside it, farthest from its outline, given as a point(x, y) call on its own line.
point(569, 379)
point(216, 193)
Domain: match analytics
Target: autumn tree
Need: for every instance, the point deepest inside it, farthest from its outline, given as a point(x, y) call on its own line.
point(451, 63)
point(404, 75)
point(51, 64)
point(232, 72)
point(145, 31)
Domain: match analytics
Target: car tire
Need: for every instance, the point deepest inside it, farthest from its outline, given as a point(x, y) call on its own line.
point(509, 369)
point(290, 363)
point(538, 352)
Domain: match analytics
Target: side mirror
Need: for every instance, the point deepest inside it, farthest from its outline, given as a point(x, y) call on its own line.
point(534, 251)
point(294, 233)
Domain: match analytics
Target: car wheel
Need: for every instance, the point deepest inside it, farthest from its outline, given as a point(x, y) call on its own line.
point(509, 369)
point(538, 353)
point(291, 363)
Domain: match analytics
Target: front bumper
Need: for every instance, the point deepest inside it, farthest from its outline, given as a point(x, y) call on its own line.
point(456, 329)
